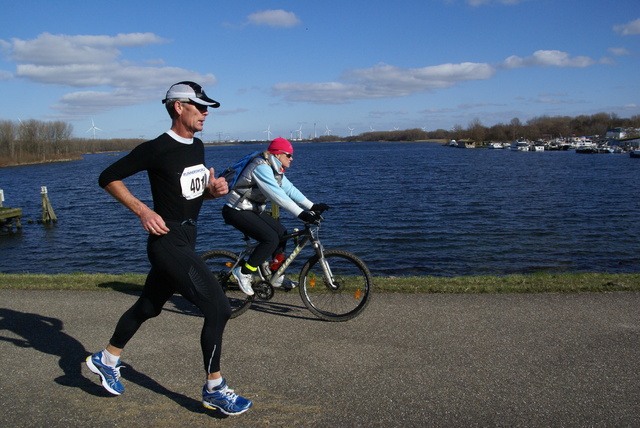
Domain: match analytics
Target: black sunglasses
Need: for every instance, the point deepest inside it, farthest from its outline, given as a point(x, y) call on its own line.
point(201, 108)
point(289, 155)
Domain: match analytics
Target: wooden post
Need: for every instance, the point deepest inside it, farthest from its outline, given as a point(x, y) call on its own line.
point(47, 210)
point(275, 211)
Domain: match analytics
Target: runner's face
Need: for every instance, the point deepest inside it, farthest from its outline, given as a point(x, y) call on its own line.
point(193, 116)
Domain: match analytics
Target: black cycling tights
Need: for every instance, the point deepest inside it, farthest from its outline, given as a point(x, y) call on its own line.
point(261, 227)
point(177, 268)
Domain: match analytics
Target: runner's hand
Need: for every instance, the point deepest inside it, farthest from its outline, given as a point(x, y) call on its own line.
point(217, 187)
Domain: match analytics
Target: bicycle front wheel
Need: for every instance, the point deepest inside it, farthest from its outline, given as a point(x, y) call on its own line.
point(220, 263)
point(342, 297)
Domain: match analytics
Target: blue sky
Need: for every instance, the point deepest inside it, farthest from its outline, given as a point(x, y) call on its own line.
point(346, 66)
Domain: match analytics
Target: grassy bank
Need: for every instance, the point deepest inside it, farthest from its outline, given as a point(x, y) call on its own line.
point(535, 283)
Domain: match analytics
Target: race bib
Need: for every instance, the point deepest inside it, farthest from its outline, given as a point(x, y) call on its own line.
point(193, 181)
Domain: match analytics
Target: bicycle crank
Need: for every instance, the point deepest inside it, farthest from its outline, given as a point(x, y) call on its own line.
point(264, 290)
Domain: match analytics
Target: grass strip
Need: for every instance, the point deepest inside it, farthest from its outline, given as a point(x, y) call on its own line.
point(530, 283)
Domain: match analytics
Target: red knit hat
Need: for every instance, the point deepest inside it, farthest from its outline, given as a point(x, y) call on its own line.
point(280, 145)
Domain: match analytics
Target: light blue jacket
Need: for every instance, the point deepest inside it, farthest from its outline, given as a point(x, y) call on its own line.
point(264, 180)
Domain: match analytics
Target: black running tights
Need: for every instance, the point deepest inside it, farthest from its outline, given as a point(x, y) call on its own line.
point(177, 268)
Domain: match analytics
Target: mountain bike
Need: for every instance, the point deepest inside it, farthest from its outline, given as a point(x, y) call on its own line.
point(335, 285)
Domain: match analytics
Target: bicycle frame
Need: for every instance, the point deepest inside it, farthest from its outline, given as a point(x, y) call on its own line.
point(308, 235)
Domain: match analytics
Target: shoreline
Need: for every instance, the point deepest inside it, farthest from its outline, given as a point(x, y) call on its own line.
point(209, 144)
point(508, 284)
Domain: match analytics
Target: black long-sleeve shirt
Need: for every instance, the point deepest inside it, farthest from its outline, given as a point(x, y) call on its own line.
point(177, 175)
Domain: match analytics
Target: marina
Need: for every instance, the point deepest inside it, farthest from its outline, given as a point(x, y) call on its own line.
point(583, 145)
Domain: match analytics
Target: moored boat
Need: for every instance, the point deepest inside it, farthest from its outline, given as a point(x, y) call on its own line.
point(520, 145)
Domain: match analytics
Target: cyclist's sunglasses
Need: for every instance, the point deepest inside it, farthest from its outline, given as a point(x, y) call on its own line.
point(289, 155)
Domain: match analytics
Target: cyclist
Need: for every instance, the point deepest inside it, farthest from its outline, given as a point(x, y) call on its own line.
point(263, 180)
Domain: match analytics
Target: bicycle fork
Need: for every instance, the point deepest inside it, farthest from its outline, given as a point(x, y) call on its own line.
point(326, 270)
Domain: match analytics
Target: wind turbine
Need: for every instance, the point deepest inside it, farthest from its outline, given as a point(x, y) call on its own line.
point(268, 131)
point(350, 130)
point(93, 128)
point(328, 130)
point(300, 133)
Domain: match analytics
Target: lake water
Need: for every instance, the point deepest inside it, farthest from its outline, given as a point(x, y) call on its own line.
point(404, 208)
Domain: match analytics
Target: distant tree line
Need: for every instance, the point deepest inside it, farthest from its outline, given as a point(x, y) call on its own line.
point(539, 127)
point(33, 141)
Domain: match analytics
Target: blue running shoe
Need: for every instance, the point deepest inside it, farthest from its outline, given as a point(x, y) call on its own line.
point(224, 399)
point(110, 375)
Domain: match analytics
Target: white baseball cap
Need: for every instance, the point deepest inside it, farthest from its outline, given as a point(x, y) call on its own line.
point(191, 91)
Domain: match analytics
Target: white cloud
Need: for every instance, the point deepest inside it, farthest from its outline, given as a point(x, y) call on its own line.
point(274, 18)
point(113, 75)
point(387, 81)
point(470, 106)
point(619, 51)
point(482, 2)
point(384, 81)
point(551, 100)
point(382, 113)
point(547, 58)
point(50, 49)
point(93, 102)
point(95, 61)
point(322, 92)
point(384, 78)
point(628, 29)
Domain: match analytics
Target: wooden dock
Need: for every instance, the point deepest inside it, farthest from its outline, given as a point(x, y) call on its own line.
point(10, 217)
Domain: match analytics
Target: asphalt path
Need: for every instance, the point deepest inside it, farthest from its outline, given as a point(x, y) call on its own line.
point(428, 360)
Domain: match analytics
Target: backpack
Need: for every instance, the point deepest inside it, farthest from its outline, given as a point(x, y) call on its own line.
point(232, 173)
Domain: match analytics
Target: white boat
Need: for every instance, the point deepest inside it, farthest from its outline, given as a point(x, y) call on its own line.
point(520, 145)
point(585, 145)
point(496, 146)
point(466, 144)
point(537, 148)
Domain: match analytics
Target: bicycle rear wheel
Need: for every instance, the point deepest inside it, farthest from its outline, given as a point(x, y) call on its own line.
point(351, 290)
point(220, 263)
